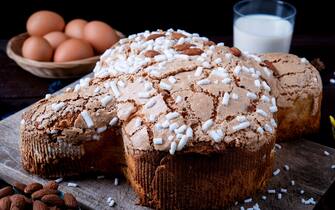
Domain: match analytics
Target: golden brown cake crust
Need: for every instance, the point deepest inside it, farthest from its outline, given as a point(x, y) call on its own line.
point(199, 181)
point(298, 89)
point(52, 160)
point(160, 106)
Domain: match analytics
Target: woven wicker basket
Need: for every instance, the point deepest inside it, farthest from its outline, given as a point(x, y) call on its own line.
point(54, 70)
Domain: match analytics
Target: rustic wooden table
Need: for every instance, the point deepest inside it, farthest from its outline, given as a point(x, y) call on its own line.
point(19, 88)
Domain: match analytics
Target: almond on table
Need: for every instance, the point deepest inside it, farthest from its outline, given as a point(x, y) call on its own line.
point(35, 197)
point(6, 191)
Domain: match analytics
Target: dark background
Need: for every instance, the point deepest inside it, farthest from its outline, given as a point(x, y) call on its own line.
point(207, 17)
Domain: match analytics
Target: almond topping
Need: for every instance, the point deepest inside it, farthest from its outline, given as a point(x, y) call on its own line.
point(181, 47)
point(154, 36)
point(209, 43)
point(176, 35)
point(193, 51)
point(151, 53)
point(235, 51)
point(270, 65)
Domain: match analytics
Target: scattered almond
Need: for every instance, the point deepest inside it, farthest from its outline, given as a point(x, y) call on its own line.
point(193, 51)
point(42, 192)
point(5, 203)
point(39, 205)
point(235, 51)
point(51, 185)
point(52, 200)
point(153, 36)
point(18, 201)
point(70, 201)
point(176, 35)
point(36, 197)
point(270, 65)
point(6, 191)
point(151, 53)
point(209, 43)
point(19, 186)
point(32, 187)
point(181, 47)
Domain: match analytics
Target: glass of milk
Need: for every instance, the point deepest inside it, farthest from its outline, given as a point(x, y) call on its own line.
point(263, 25)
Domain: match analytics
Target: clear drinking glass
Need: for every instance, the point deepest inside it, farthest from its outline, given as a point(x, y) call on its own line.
point(263, 25)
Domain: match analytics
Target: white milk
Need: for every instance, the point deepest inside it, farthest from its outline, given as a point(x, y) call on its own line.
point(262, 33)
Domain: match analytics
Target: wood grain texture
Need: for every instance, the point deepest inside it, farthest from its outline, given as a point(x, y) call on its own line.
point(309, 167)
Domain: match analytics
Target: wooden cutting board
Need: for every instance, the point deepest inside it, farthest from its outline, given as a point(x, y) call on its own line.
point(310, 168)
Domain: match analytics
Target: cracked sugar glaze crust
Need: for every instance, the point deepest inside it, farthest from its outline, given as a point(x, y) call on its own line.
point(170, 91)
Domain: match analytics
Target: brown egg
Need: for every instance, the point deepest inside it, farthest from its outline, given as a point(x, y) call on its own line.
point(55, 38)
point(73, 49)
point(75, 28)
point(37, 48)
point(43, 22)
point(100, 35)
